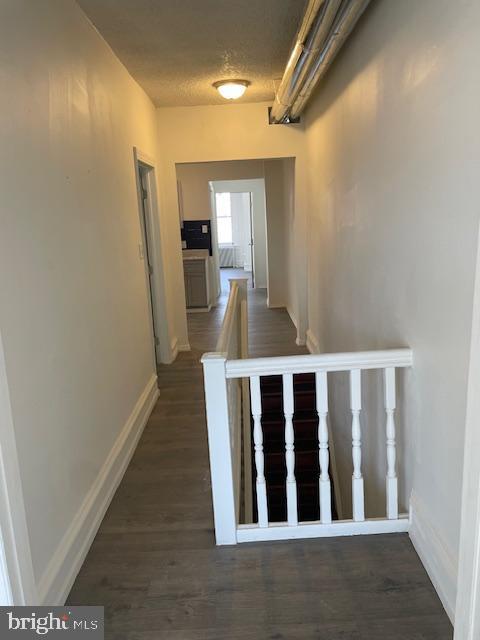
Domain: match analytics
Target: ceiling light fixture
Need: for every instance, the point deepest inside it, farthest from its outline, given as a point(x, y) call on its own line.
point(231, 89)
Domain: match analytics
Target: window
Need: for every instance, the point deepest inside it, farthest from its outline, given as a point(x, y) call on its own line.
point(224, 218)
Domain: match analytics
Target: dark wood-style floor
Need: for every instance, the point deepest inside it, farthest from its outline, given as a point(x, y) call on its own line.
point(155, 567)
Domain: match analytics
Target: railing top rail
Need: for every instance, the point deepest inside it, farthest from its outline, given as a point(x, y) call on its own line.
point(228, 319)
point(324, 362)
point(236, 285)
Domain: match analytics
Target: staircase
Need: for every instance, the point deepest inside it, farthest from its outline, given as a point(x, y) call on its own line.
point(307, 469)
point(237, 386)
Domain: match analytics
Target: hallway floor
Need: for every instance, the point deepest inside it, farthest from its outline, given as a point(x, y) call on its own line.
point(226, 273)
point(155, 567)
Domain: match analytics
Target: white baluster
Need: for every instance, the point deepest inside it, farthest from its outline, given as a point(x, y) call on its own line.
point(358, 502)
point(292, 512)
point(392, 482)
point(256, 402)
point(323, 453)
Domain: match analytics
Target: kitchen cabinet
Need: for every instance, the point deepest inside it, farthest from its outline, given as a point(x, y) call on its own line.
point(196, 276)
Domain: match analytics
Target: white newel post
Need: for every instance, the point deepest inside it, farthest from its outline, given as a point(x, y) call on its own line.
point(288, 408)
point(323, 453)
point(392, 482)
point(219, 447)
point(357, 478)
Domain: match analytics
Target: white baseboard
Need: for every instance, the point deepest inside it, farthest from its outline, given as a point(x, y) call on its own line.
point(312, 342)
point(292, 317)
point(56, 582)
point(173, 349)
point(300, 340)
point(176, 348)
point(435, 556)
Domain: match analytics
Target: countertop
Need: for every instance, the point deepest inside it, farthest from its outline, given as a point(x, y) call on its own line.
point(195, 254)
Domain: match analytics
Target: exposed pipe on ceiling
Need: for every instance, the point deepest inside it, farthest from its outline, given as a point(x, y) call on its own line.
point(325, 26)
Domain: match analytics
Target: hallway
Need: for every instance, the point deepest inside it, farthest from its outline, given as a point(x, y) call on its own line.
point(155, 568)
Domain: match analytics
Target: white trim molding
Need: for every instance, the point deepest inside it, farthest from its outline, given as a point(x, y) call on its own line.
point(300, 340)
point(17, 579)
point(177, 348)
point(283, 531)
point(57, 580)
point(157, 283)
point(173, 350)
point(313, 344)
point(467, 613)
point(6, 595)
point(435, 555)
point(292, 317)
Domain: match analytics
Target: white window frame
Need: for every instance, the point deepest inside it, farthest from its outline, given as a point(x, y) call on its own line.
point(218, 216)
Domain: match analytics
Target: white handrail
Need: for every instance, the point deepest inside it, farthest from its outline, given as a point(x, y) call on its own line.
point(280, 365)
point(228, 319)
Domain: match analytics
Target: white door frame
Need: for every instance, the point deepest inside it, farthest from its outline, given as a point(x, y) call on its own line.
point(467, 613)
point(17, 581)
point(166, 352)
point(256, 186)
point(215, 255)
point(250, 236)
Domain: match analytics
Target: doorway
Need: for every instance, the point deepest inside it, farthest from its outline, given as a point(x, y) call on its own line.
point(146, 250)
point(239, 216)
point(234, 222)
point(149, 252)
point(271, 184)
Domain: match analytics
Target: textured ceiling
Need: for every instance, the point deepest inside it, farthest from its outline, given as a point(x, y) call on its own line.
point(175, 49)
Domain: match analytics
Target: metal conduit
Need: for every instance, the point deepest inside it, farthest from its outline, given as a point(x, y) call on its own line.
point(324, 28)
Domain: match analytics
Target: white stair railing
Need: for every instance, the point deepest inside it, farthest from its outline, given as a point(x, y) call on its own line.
point(228, 405)
point(220, 370)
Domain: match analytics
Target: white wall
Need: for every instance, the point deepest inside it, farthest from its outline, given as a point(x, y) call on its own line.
point(393, 144)
point(194, 179)
point(73, 304)
point(280, 195)
point(218, 133)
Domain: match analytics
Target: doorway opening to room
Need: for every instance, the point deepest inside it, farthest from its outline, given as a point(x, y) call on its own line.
point(149, 251)
point(233, 217)
point(238, 216)
point(146, 250)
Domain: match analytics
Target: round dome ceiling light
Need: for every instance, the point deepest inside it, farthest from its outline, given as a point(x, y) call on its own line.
point(231, 89)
